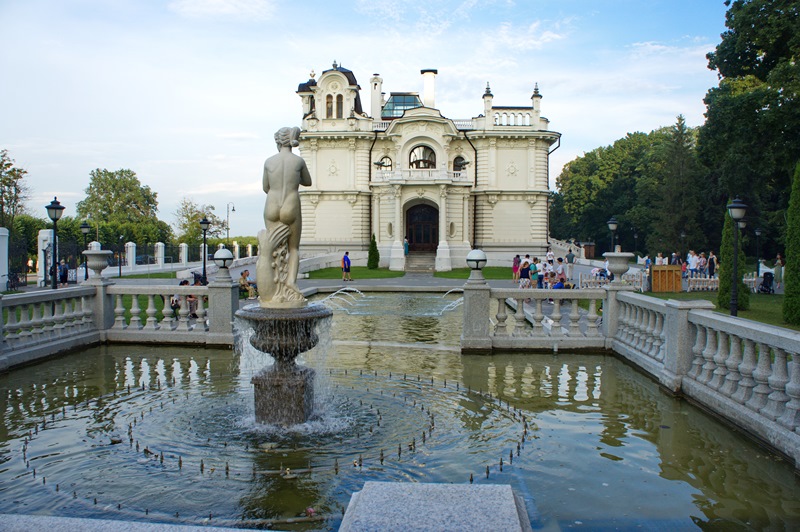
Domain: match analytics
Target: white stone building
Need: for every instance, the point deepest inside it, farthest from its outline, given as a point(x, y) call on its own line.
point(402, 170)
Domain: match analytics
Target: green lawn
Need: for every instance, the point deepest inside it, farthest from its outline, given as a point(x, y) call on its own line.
point(356, 272)
point(764, 308)
point(154, 275)
point(494, 273)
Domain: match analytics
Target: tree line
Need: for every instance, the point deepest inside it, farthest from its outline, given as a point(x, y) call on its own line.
point(669, 187)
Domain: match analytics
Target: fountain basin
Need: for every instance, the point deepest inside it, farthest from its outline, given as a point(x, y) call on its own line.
point(286, 332)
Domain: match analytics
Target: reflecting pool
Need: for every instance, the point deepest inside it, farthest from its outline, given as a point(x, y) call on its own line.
point(162, 434)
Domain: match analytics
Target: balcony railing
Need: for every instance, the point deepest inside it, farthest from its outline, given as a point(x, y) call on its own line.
point(399, 176)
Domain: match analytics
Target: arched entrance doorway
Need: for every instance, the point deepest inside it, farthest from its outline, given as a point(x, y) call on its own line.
point(422, 227)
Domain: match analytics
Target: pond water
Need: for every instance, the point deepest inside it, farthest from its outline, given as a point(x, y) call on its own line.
point(162, 434)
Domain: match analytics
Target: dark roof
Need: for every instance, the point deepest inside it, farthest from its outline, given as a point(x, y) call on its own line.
point(306, 87)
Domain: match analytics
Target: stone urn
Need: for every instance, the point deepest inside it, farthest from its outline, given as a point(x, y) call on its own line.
point(97, 260)
point(618, 264)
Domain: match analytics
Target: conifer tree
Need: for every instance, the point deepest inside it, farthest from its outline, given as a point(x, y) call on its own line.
point(726, 267)
point(374, 256)
point(791, 272)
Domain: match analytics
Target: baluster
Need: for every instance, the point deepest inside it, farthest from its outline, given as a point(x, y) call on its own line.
point(152, 322)
point(25, 334)
point(87, 314)
point(758, 399)
point(746, 369)
point(519, 319)
point(49, 321)
point(136, 319)
point(658, 340)
point(708, 355)
point(697, 351)
point(777, 400)
point(556, 329)
point(200, 323)
point(644, 321)
point(37, 324)
point(732, 363)
point(720, 357)
point(574, 318)
point(647, 345)
point(538, 316)
point(791, 413)
point(12, 327)
point(625, 329)
point(501, 316)
point(591, 319)
point(59, 319)
point(183, 316)
point(69, 316)
point(119, 314)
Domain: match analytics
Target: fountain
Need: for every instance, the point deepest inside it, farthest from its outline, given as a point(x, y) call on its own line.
point(283, 323)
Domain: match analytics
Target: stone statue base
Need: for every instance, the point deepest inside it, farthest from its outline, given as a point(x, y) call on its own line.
point(284, 396)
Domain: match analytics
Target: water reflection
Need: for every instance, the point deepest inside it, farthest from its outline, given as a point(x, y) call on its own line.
point(598, 431)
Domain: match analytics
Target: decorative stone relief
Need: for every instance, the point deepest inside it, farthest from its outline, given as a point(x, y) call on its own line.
point(352, 199)
point(492, 199)
point(420, 192)
point(333, 170)
point(531, 200)
point(511, 169)
point(313, 199)
point(442, 191)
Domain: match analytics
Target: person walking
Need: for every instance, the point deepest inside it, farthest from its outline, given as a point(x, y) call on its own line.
point(515, 265)
point(570, 263)
point(711, 264)
point(778, 270)
point(346, 267)
point(63, 274)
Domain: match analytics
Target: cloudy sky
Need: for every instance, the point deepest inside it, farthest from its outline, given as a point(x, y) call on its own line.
point(188, 93)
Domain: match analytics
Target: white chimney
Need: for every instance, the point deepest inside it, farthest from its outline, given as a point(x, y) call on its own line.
point(376, 96)
point(429, 87)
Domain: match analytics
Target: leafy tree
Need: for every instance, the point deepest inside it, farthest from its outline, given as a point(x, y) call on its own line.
point(13, 190)
point(188, 218)
point(791, 272)
point(118, 196)
point(374, 256)
point(726, 267)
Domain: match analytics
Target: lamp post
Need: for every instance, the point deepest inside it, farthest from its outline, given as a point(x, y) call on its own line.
point(758, 255)
point(223, 258)
point(635, 241)
point(119, 255)
point(85, 228)
point(736, 210)
point(204, 225)
point(612, 226)
point(476, 260)
point(230, 208)
point(54, 211)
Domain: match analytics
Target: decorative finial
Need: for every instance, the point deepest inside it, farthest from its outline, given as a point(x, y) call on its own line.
point(536, 89)
point(488, 91)
point(335, 65)
point(312, 74)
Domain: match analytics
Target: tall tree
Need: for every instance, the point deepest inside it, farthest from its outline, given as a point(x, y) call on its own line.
point(118, 196)
point(187, 222)
point(791, 272)
point(13, 190)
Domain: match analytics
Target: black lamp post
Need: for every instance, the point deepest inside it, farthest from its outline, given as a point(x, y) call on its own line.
point(635, 240)
point(758, 255)
point(204, 225)
point(736, 210)
point(54, 211)
point(612, 226)
point(119, 255)
point(85, 228)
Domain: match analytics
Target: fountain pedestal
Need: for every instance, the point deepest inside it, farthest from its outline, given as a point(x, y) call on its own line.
point(284, 393)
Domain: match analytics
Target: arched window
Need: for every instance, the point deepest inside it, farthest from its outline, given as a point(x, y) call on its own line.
point(339, 106)
point(386, 163)
point(459, 164)
point(329, 106)
point(422, 157)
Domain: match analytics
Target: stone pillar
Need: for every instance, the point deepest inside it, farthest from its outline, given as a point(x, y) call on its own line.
point(443, 263)
point(45, 256)
point(475, 334)
point(160, 248)
point(611, 310)
point(130, 255)
point(249, 250)
point(103, 302)
point(183, 252)
point(679, 340)
point(4, 255)
point(236, 250)
point(223, 301)
point(398, 258)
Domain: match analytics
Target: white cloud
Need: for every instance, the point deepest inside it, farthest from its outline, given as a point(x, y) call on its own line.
point(245, 9)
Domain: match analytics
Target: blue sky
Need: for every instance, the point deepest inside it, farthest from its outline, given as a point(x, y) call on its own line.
point(188, 93)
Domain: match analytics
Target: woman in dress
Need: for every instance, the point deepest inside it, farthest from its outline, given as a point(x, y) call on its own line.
point(778, 270)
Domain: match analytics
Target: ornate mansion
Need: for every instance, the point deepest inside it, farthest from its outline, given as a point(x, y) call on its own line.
point(400, 170)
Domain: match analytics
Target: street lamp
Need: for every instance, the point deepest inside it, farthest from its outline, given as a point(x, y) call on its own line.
point(683, 237)
point(635, 240)
point(758, 255)
point(85, 228)
point(204, 225)
point(119, 255)
point(230, 208)
point(736, 210)
point(54, 211)
point(612, 226)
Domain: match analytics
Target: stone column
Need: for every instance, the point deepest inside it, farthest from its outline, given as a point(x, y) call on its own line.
point(611, 310)
point(475, 334)
point(223, 301)
point(443, 263)
point(183, 253)
point(160, 247)
point(679, 340)
point(398, 259)
point(236, 250)
point(130, 255)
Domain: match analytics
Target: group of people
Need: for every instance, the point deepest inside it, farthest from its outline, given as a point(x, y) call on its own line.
point(192, 301)
point(551, 272)
point(694, 264)
point(248, 285)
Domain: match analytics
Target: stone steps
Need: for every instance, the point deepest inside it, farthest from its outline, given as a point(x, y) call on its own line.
point(420, 262)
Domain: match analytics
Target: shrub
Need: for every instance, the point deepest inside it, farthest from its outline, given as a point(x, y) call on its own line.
point(374, 256)
point(791, 272)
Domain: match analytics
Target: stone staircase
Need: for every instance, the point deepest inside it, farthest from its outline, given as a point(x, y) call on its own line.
point(420, 262)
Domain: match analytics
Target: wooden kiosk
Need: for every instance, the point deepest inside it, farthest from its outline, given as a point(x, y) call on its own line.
point(666, 278)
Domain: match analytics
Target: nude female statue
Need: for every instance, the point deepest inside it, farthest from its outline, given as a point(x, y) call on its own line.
point(279, 244)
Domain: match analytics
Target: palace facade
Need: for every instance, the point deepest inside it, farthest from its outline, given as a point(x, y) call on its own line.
point(401, 169)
